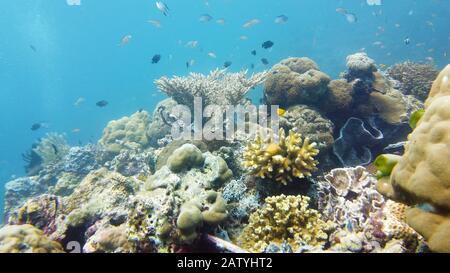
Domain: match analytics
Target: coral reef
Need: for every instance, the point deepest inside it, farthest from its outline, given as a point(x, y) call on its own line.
point(360, 66)
point(162, 120)
point(18, 191)
point(352, 148)
point(219, 87)
point(309, 123)
point(421, 175)
point(414, 78)
point(285, 219)
point(52, 148)
point(295, 81)
point(339, 99)
point(348, 197)
point(282, 159)
point(126, 132)
point(26, 239)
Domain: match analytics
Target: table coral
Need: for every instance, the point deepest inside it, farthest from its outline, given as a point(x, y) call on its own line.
point(26, 239)
point(126, 132)
point(422, 175)
point(218, 87)
point(281, 160)
point(285, 218)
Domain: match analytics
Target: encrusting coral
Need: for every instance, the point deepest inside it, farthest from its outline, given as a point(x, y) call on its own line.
point(285, 219)
point(219, 87)
point(414, 78)
point(281, 159)
point(421, 176)
point(26, 239)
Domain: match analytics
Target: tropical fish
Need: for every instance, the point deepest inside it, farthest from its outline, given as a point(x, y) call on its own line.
point(73, 2)
point(155, 23)
point(205, 18)
point(79, 101)
point(253, 52)
point(251, 23)
point(227, 64)
point(281, 112)
point(407, 41)
point(374, 2)
point(267, 44)
point(264, 61)
point(156, 58)
point(102, 103)
point(32, 47)
point(282, 19)
point(212, 55)
point(220, 21)
point(36, 127)
point(125, 40)
point(76, 130)
point(243, 38)
point(162, 7)
point(192, 44)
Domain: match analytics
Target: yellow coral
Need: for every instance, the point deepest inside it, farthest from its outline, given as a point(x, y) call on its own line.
point(282, 160)
point(26, 239)
point(285, 219)
point(421, 175)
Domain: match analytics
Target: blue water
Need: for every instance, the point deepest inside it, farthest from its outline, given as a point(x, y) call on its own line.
point(77, 53)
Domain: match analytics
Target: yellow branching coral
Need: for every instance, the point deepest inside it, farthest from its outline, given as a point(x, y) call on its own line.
point(283, 159)
point(285, 219)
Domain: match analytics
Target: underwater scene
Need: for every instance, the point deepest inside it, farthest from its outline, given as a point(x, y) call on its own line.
point(225, 126)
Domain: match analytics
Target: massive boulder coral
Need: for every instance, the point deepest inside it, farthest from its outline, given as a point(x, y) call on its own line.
point(162, 121)
point(180, 202)
point(285, 219)
point(339, 99)
point(421, 176)
point(126, 132)
point(283, 159)
point(295, 81)
point(309, 123)
point(360, 66)
point(414, 78)
point(26, 239)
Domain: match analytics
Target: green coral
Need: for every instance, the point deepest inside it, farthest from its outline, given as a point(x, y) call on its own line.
point(385, 163)
point(281, 160)
point(185, 158)
point(415, 118)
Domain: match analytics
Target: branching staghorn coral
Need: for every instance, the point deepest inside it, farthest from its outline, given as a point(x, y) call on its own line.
point(285, 219)
point(218, 87)
point(52, 148)
point(283, 159)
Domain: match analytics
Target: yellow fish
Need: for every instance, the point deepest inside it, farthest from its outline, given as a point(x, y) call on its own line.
point(281, 112)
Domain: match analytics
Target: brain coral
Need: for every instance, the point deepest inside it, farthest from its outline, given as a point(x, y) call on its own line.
point(26, 239)
point(295, 81)
point(414, 78)
point(284, 219)
point(126, 132)
point(281, 160)
point(310, 123)
point(421, 175)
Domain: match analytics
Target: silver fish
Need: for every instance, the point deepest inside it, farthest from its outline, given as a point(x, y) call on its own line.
point(162, 7)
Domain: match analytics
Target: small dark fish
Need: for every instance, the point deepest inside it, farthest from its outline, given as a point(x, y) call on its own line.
point(227, 64)
point(188, 65)
point(264, 61)
point(156, 59)
point(407, 41)
point(55, 149)
point(36, 126)
point(102, 103)
point(253, 52)
point(252, 66)
point(140, 110)
point(33, 48)
point(267, 44)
